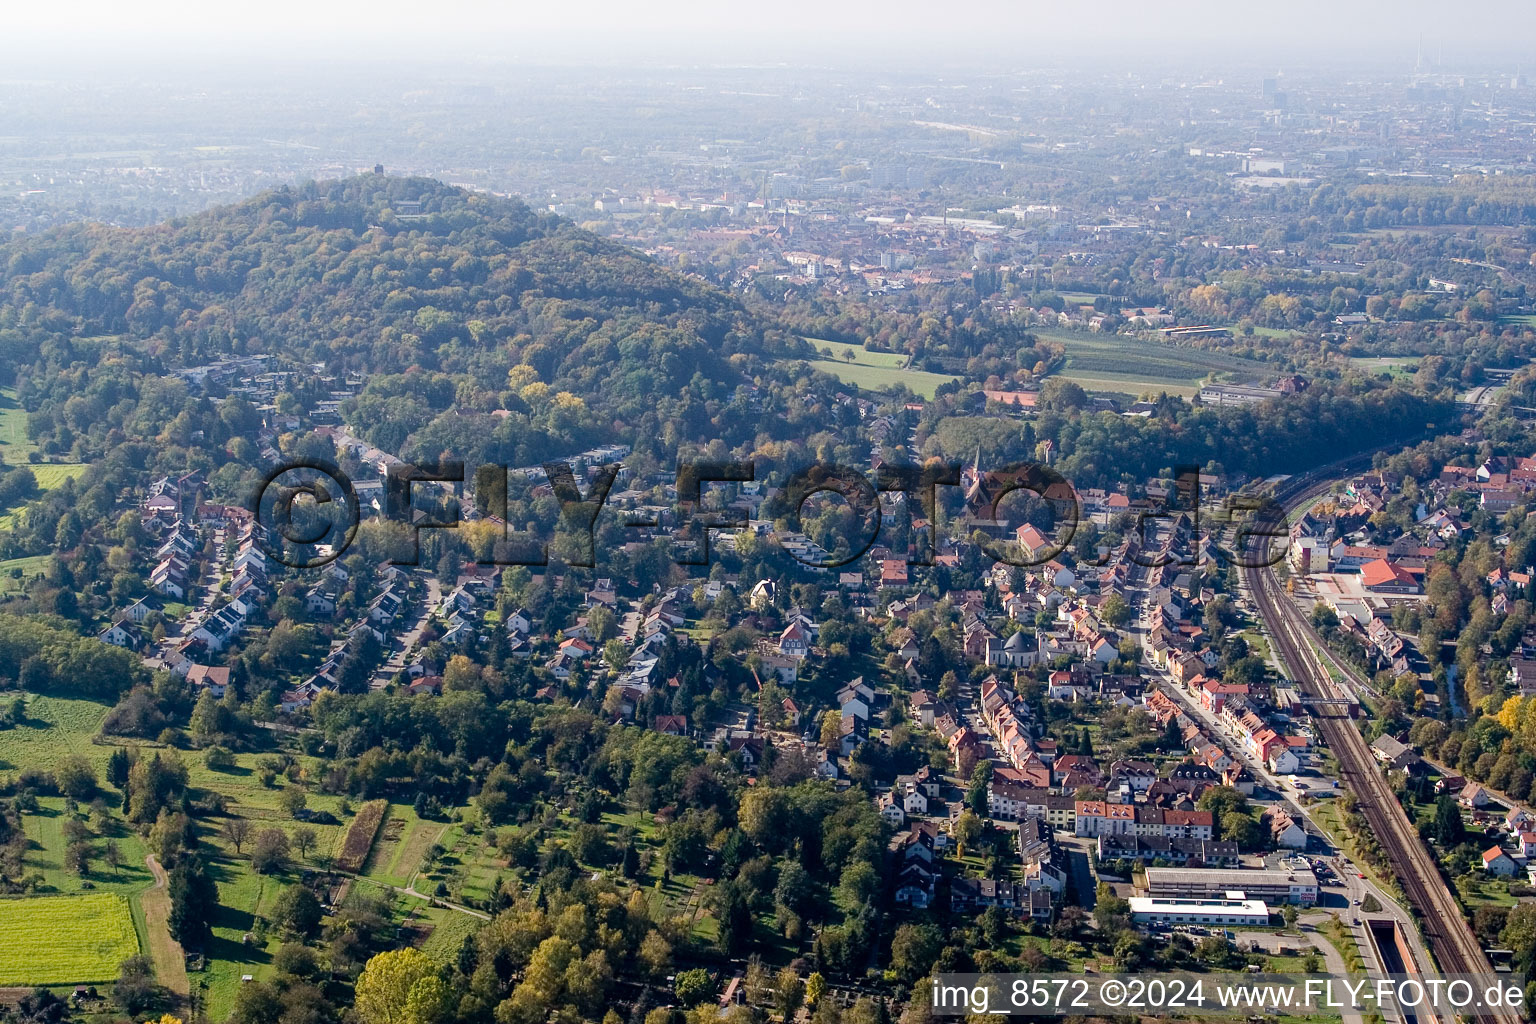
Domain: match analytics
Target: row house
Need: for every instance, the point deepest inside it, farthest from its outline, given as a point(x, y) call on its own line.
point(170, 577)
point(1014, 802)
point(916, 867)
point(970, 894)
point(1033, 773)
point(1098, 817)
point(1174, 824)
point(1208, 853)
point(220, 629)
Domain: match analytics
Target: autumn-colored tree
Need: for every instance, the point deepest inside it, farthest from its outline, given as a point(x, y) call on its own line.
point(402, 986)
point(831, 731)
point(967, 830)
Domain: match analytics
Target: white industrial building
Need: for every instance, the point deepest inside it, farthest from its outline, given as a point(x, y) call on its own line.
point(1232, 910)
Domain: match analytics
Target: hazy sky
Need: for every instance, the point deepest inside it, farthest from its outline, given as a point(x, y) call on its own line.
point(863, 31)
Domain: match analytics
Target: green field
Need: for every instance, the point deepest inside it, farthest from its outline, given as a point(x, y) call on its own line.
point(879, 378)
point(65, 940)
point(1130, 384)
point(14, 446)
point(55, 726)
point(10, 582)
point(449, 929)
point(49, 475)
point(1396, 366)
point(1132, 366)
point(874, 371)
point(400, 846)
point(861, 355)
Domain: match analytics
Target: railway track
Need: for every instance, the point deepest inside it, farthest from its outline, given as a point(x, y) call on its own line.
point(1445, 929)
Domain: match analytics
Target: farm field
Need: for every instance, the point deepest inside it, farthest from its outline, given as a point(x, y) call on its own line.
point(65, 940)
point(400, 846)
point(449, 930)
point(1132, 366)
point(1130, 384)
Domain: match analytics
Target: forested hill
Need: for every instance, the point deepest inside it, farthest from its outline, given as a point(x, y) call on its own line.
point(383, 276)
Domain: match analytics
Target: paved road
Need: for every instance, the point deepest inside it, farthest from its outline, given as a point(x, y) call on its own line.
point(176, 630)
point(1332, 961)
point(1354, 888)
point(411, 637)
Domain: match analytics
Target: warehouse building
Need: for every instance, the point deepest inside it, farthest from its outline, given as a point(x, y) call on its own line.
point(1280, 885)
point(1232, 910)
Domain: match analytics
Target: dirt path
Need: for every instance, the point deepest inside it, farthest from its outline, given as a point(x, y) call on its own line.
point(410, 891)
point(166, 952)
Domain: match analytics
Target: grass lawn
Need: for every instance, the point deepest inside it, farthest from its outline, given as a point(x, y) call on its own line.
point(1479, 892)
point(60, 940)
point(1258, 644)
point(242, 895)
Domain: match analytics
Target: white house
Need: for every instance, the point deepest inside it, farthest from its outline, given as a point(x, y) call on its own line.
point(1498, 863)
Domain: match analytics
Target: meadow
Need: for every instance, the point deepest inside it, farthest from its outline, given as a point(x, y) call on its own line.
point(14, 444)
point(881, 378)
point(15, 572)
point(58, 940)
point(55, 727)
point(874, 371)
point(841, 350)
point(1399, 367)
point(49, 475)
